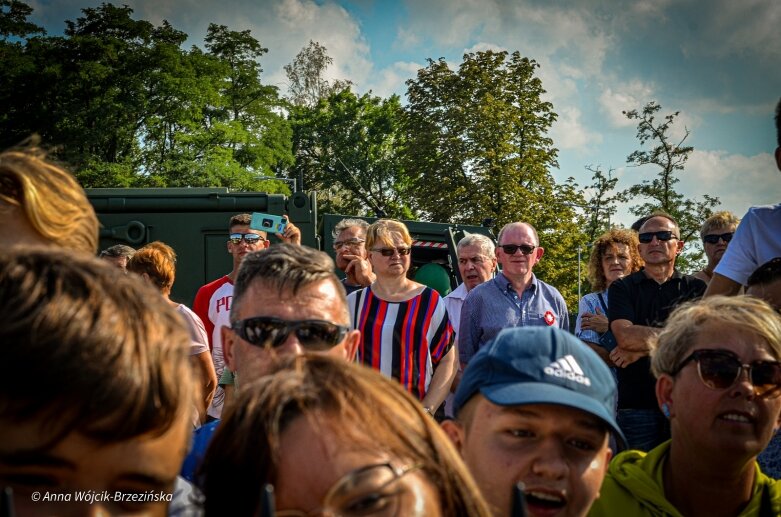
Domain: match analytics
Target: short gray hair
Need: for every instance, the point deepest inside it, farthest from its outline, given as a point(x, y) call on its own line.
point(285, 267)
point(504, 228)
point(485, 244)
point(348, 223)
point(118, 250)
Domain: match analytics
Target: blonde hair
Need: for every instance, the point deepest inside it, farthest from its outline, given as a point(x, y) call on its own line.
point(745, 313)
point(718, 220)
point(158, 260)
point(596, 273)
point(371, 412)
point(50, 198)
point(381, 232)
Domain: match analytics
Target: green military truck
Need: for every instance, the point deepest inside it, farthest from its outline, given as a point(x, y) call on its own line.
point(194, 222)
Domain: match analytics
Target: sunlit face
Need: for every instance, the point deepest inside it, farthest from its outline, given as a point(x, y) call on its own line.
point(396, 265)
point(518, 264)
point(729, 421)
point(316, 301)
point(656, 251)
point(315, 457)
point(474, 266)
point(559, 453)
point(714, 252)
point(76, 463)
point(238, 251)
point(616, 262)
point(351, 247)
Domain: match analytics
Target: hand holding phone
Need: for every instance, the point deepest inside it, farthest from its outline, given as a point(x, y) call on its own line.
point(268, 223)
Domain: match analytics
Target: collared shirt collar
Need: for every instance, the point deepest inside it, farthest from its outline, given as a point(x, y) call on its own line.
point(505, 285)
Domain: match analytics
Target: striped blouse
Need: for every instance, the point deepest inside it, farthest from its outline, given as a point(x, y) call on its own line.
point(404, 340)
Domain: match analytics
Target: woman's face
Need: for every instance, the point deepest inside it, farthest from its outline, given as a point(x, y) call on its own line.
point(394, 264)
point(616, 262)
point(733, 420)
point(321, 469)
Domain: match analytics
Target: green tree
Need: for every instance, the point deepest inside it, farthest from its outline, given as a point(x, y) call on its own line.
point(307, 76)
point(347, 146)
point(669, 157)
point(602, 202)
point(477, 147)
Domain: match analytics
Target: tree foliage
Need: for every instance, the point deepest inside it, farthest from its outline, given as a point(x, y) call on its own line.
point(477, 147)
point(306, 74)
point(669, 156)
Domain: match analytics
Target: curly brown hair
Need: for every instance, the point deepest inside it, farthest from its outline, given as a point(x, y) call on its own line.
point(596, 275)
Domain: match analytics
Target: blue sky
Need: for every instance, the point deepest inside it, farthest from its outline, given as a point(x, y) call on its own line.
point(715, 61)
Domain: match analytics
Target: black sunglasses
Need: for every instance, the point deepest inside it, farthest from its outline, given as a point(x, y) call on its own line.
point(249, 238)
point(647, 237)
point(714, 238)
point(719, 370)
point(510, 249)
point(388, 252)
point(313, 334)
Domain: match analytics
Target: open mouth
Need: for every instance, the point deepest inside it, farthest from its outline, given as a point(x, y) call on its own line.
point(737, 417)
point(544, 502)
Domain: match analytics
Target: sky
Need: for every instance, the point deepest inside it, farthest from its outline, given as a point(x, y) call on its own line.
point(714, 61)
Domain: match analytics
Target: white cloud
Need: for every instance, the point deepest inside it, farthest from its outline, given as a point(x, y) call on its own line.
point(569, 132)
point(624, 97)
point(391, 80)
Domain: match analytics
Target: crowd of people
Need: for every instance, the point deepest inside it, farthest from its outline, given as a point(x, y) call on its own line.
point(290, 389)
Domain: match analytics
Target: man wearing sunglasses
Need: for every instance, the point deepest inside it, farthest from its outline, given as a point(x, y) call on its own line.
point(213, 301)
point(716, 234)
point(639, 304)
point(286, 301)
point(513, 298)
point(757, 240)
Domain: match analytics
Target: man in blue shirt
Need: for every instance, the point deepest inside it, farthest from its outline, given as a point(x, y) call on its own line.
point(514, 298)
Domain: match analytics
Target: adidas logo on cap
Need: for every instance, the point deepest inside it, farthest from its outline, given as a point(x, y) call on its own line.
point(567, 367)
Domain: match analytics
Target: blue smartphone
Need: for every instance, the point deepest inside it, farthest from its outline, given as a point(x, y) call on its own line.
point(268, 223)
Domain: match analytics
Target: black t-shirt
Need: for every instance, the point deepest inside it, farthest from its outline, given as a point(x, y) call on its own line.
point(643, 301)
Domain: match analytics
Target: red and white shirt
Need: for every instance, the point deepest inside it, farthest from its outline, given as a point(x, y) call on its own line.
point(212, 304)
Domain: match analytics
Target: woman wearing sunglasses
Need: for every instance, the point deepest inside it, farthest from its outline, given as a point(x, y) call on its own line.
point(613, 256)
point(405, 332)
point(333, 438)
point(719, 383)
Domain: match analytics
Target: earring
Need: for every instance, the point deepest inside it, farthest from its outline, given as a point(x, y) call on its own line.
point(666, 410)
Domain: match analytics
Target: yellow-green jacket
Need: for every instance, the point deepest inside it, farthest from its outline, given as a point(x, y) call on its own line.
point(634, 487)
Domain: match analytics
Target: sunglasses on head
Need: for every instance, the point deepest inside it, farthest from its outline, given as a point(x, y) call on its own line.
point(510, 249)
point(714, 238)
point(273, 332)
point(664, 236)
point(388, 252)
point(249, 238)
point(720, 369)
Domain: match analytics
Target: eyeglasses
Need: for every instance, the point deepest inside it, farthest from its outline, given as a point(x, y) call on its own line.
point(719, 370)
point(367, 491)
point(249, 238)
point(388, 252)
point(316, 335)
point(510, 249)
point(664, 236)
point(714, 238)
point(350, 243)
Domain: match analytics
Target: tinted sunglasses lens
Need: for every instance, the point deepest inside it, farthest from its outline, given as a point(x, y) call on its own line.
point(714, 239)
point(510, 249)
point(249, 238)
point(727, 236)
point(718, 371)
point(765, 376)
point(388, 252)
point(319, 335)
point(259, 331)
point(404, 251)
point(647, 237)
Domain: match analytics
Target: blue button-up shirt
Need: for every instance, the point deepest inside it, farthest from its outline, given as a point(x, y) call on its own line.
point(495, 305)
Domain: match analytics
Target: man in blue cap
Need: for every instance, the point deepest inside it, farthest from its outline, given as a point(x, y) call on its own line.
point(536, 406)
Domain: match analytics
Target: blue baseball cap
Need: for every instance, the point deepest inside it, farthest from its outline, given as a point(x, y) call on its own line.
point(541, 365)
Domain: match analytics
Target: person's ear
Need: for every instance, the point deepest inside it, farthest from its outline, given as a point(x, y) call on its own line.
point(455, 431)
point(228, 350)
point(350, 344)
point(679, 246)
point(664, 395)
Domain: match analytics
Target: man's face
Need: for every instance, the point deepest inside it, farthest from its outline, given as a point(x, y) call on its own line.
point(243, 247)
point(349, 245)
point(30, 465)
point(518, 264)
point(660, 251)
point(559, 453)
point(474, 266)
point(714, 252)
point(316, 301)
